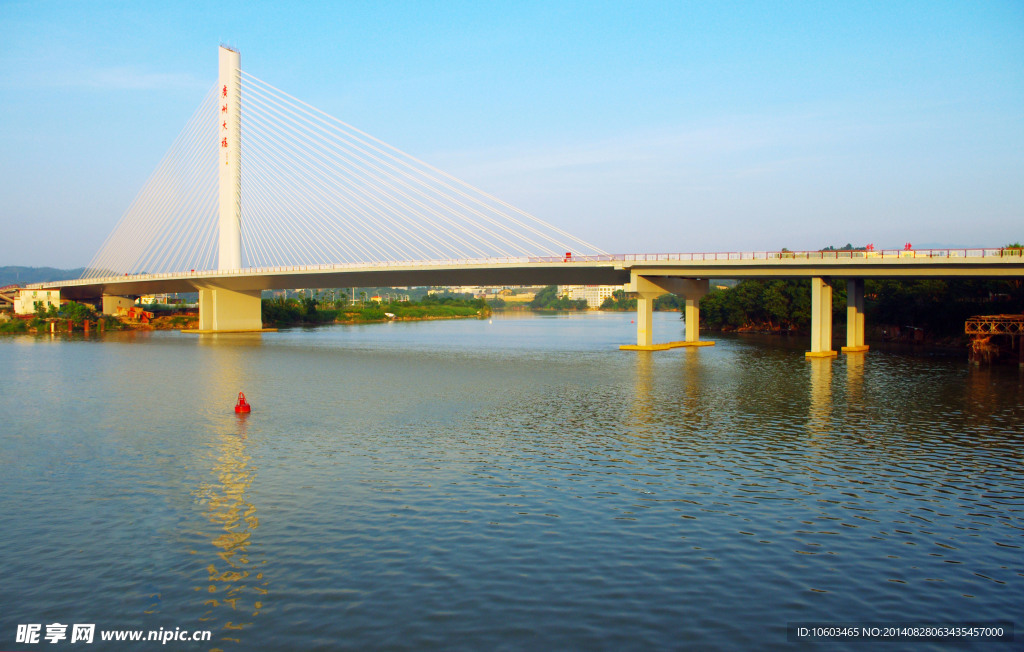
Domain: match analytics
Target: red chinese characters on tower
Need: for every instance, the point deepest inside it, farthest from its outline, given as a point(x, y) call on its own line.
point(224, 123)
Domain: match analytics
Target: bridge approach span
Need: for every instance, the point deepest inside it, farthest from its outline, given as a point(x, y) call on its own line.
point(327, 276)
point(581, 270)
point(229, 299)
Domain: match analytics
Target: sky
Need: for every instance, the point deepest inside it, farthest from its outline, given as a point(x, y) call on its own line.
point(637, 126)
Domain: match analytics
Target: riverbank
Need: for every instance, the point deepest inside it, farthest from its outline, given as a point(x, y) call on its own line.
point(895, 338)
point(275, 314)
point(282, 312)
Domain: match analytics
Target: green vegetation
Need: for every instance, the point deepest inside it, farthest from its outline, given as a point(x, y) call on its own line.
point(621, 301)
point(846, 247)
point(939, 307)
point(309, 311)
point(76, 313)
point(774, 305)
point(936, 306)
point(14, 326)
point(287, 312)
point(111, 323)
point(548, 299)
point(180, 321)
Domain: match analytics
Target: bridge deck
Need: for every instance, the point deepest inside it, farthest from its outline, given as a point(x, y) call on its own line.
point(590, 270)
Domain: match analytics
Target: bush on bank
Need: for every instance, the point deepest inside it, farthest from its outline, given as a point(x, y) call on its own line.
point(294, 312)
point(937, 306)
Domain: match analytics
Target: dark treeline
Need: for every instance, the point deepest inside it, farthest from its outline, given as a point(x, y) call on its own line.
point(310, 311)
point(16, 275)
point(622, 301)
point(939, 307)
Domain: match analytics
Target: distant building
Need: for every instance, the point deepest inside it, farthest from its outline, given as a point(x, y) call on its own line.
point(474, 290)
point(513, 294)
point(594, 295)
point(25, 303)
point(522, 297)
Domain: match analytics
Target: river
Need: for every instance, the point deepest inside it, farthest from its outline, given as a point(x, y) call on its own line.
point(505, 484)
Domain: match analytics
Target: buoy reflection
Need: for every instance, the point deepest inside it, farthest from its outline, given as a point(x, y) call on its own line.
point(236, 586)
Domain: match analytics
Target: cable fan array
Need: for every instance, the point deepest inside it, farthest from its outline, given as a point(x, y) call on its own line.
point(172, 224)
point(317, 190)
point(314, 190)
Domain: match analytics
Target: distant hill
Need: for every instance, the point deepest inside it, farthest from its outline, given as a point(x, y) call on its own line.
point(23, 275)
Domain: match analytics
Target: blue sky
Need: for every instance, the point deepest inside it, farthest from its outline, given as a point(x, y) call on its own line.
point(641, 126)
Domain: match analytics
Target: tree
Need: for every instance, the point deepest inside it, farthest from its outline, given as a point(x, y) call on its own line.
point(77, 312)
point(548, 299)
point(846, 247)
point(772, 305)
point(545, 297)
point(309, 305)
point(619, 301)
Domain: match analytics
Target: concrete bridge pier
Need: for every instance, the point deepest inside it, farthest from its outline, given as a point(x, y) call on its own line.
point(691, 315)
point(229, 311)
point(855, 316)
point(649, 288)
point(821, 319)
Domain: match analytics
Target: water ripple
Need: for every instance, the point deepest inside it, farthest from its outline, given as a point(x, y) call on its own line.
point(395, 490)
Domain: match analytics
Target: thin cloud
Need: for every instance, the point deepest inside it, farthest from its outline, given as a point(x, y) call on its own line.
point(109, 78)
point(134, 78)
point(738, 147)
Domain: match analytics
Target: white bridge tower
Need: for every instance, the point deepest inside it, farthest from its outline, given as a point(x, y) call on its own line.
point(220, 308)
point(229, 135)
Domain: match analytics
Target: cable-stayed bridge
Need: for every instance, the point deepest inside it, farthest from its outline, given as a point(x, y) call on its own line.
point(261, 191)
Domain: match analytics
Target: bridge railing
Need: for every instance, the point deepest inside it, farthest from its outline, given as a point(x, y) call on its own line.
point(987, 252)
point(826, 255)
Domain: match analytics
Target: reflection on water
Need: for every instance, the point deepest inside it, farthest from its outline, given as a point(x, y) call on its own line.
point(820, 411)
point(641, 405)
point(855, 378)
point(505, 484)
point(236, 587)
point(691, 385)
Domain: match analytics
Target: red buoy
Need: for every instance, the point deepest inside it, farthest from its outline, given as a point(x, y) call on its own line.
point(242, 407)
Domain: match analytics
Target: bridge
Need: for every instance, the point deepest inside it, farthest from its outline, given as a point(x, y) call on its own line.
point(327, 205)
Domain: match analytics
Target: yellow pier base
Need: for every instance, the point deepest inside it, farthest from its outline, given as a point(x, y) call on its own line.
point(240, 330)
point(855, 349)
point(663, 347)
point(208, 332)
point(821, 354)
point(229, 311)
